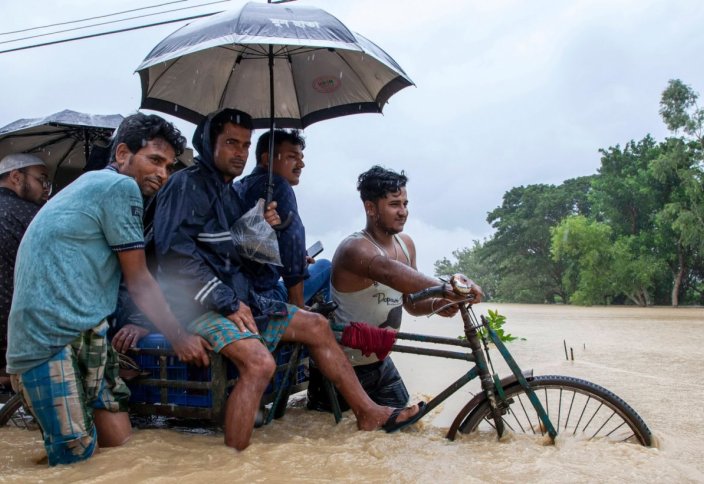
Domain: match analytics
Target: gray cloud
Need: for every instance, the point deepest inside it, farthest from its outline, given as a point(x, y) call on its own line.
point(508, 93)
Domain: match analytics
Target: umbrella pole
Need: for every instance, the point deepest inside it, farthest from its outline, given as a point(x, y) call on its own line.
point(272, 126)
point(270, 180)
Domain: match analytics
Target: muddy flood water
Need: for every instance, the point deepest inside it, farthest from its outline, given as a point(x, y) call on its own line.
point(652, 358)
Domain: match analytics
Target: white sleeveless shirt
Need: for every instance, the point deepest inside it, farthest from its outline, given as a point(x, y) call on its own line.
point(377, 305)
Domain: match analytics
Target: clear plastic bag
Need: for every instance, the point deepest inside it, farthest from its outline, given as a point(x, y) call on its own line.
point(254, 238)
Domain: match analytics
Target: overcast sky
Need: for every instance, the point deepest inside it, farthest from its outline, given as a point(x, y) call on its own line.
point(508, 93)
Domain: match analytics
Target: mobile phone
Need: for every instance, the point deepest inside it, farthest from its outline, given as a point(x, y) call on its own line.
point(315, 249)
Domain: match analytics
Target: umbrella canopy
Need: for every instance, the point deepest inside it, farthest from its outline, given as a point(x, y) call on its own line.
point(64, 140)
point(295, 64)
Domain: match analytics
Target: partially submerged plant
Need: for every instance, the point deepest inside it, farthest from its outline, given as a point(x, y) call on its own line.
point(496, 322)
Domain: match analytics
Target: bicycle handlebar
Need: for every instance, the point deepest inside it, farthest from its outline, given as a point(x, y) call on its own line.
point(435, 291)
point(459, 284)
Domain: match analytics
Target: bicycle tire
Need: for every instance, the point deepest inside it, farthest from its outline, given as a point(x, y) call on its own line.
point(9, 409)
point(577, 407)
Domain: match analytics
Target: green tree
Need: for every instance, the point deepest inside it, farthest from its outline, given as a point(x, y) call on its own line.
point(519, 251)
point(625, 194)
point(680, 166)
point(583, 246)
point(472, 262)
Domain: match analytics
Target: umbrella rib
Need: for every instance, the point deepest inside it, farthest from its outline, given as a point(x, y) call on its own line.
point(28, 135)
point(227, 84)
point(156, 81)
point(65, 155)
point(50, 142)
point(283, 51)
point(357, 76)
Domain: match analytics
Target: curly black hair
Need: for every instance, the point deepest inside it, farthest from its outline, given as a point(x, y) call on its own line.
point(138, 129)
point(377, 182)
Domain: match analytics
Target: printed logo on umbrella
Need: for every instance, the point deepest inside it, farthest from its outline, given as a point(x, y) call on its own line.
point(326, 84)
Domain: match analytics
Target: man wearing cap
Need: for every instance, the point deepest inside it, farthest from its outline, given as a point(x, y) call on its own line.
point(24, 188)
point(67, 274)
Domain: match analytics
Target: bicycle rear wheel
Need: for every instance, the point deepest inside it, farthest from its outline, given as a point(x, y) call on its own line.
point(13, 413)
point(576, 408)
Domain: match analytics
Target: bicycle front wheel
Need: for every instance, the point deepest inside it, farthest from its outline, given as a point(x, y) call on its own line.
point(576, 408)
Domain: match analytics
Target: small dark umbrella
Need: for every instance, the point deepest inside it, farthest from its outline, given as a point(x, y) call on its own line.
point(285, 65)
point(64, 140)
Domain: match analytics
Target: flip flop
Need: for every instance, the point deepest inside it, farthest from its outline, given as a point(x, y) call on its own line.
point(392, 426)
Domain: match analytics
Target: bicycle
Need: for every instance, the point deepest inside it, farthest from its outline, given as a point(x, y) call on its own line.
point(520, 402)
point(12, 412)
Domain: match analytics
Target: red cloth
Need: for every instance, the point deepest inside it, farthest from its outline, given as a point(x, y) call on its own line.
point(369, 339)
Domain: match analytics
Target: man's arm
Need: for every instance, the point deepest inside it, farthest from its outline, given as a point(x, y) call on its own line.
point(146, 294)
point(292, 244)
point(356, 259)
point(295, 295)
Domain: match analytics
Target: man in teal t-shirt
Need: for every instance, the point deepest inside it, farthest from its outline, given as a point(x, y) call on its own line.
point(68, 270)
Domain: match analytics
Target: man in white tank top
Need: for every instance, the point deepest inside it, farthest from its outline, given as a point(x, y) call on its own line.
point(372, 271)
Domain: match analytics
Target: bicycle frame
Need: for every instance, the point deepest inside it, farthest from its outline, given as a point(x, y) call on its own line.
point(492, 387)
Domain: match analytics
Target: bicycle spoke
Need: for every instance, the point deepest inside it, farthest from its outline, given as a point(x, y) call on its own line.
point(516, 419)
point(615, 429)
point(602, 425)
point(593, 415)
point(530, 424)
point(569, 412)
point(629, 437)
point(584, 409)
point(509, 425)
point(569, 401)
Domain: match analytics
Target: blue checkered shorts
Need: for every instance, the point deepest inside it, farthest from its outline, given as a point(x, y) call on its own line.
point(220, 331)
point(62, 393)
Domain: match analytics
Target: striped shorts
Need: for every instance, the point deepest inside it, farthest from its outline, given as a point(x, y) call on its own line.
point(220, 331)
point(62, 393)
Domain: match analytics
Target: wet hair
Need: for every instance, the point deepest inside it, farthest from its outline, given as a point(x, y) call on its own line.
point(234, 116)
point(377, 182)
point(138, 129)
point(280, 136)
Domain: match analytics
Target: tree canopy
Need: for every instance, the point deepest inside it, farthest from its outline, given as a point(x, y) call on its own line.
point(631, 233)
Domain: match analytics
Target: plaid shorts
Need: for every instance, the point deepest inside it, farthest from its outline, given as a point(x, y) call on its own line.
point(62, 393)
point(220, 331)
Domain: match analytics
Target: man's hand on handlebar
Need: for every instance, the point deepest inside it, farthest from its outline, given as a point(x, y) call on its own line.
point(461, 288)
point(439, 305)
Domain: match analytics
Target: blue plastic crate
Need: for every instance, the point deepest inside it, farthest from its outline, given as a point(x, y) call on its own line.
point(178, 371)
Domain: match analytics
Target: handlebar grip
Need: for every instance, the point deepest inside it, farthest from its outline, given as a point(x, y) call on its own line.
point(435, 291)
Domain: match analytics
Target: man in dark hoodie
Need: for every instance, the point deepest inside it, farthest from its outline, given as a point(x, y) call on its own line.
point(199, 270)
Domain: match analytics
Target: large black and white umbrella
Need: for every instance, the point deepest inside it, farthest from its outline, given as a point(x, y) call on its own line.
point(289, 63)
point(64, 140)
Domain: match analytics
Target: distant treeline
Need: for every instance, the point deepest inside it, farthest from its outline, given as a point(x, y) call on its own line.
point(631, 234)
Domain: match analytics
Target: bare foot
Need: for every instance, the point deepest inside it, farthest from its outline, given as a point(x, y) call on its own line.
point(375, 420)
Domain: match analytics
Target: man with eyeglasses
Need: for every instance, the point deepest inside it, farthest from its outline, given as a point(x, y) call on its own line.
point(24, 188)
